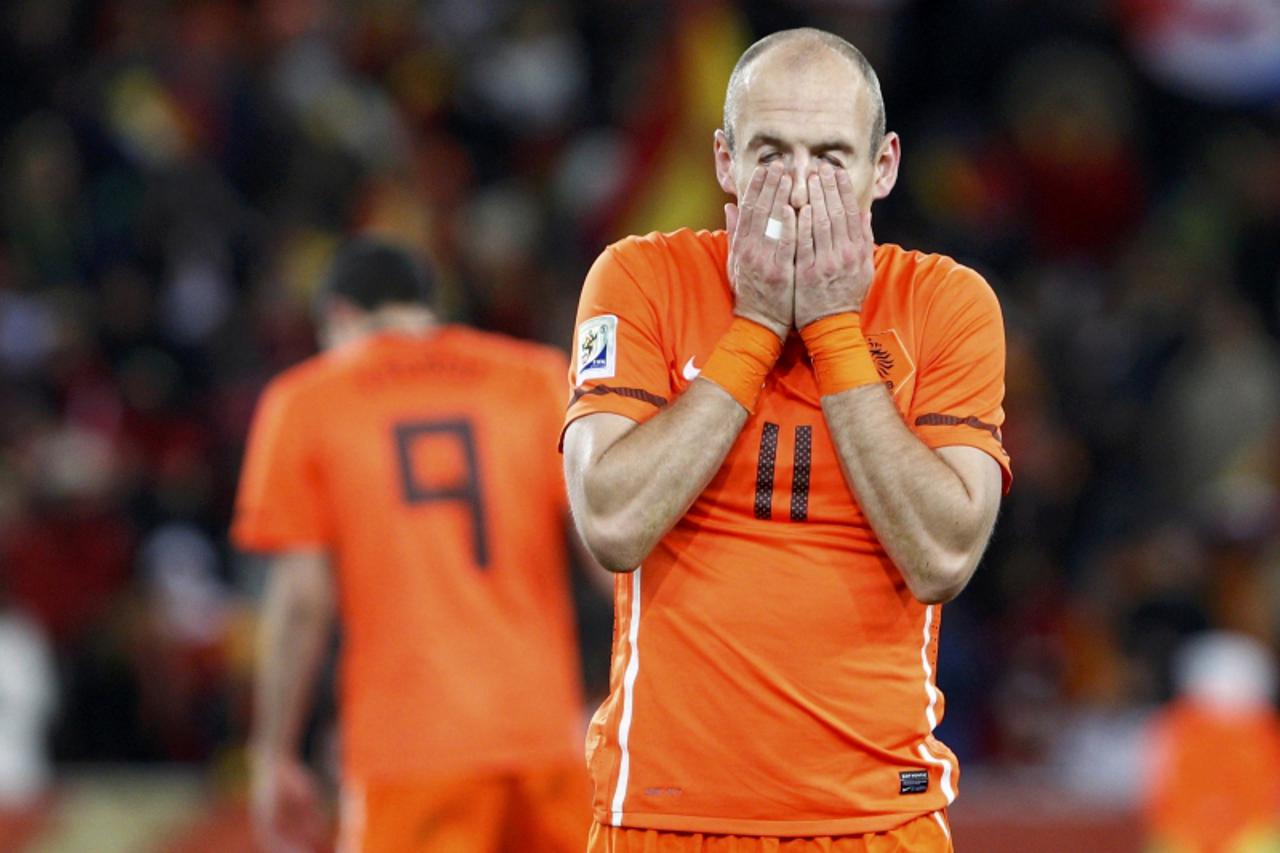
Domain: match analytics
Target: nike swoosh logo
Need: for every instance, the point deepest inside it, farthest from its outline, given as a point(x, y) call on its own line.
point(690, 372)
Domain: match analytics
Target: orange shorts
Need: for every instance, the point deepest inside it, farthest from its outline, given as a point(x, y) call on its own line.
point(541, 811)
point(925, 834)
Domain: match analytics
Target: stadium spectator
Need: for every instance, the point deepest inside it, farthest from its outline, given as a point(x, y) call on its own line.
point(28, 695)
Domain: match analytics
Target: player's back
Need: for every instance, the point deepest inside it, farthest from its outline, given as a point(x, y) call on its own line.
point(434, 463)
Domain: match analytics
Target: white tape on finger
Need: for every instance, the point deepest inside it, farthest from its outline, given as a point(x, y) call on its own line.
point(773, 229)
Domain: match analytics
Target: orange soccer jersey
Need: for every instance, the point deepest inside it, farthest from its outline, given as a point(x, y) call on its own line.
point(772, 674)
point(1214, 783)
point(427, 468)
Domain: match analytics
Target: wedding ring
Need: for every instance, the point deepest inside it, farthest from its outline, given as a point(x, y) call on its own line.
point(773, 228)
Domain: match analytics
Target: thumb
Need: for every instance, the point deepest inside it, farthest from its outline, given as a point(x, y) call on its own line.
point(731, 218)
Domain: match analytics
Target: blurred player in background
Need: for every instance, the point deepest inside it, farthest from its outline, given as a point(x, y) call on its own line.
point(409, 474)
point(1215, 749)
point(792, 436)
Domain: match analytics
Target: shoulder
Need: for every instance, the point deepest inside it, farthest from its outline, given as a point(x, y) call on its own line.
point(514, 355)
point(926, 271)
point(932, 279)
point(661, 254)
point(306, 381)
point(499, 346)
point(658, 245)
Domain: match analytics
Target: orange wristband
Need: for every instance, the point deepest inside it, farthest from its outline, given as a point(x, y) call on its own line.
point(742, 359)
point(840, 355)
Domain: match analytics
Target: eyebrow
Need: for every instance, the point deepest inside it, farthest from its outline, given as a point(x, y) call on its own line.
point(775, 141)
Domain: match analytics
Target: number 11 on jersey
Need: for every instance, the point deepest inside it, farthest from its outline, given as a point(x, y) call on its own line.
point(799, 473)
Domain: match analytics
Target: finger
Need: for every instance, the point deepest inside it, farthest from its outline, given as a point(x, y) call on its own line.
point(731, 228)
point(287, 842)
point(747, 204)
point(280, 838)
point(840, 232)
point(780, 196)
point(266, 836)
point(785, 255)
point(768, 194)
point(804, 238)
point(821, 219)
point(270, 842)
point(315, 829)
point(849, 199)
point(303, 829)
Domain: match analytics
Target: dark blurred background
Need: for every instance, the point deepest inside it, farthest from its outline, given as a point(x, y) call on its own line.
point(175, 175)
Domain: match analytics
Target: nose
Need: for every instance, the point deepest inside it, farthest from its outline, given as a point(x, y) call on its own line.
point(801, 168)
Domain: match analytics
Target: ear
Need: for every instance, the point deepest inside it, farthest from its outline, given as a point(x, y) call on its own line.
point(724, 164)
point(886, 168)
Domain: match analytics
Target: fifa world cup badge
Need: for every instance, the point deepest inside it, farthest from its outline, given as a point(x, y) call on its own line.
point(598, 348)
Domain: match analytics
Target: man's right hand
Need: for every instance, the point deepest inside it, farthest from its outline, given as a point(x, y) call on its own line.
point(285, 804)
point(761, 262)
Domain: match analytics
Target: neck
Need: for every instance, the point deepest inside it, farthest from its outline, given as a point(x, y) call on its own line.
point(405, 320)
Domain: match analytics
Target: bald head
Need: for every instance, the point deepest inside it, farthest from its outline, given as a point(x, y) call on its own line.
point(797, 49)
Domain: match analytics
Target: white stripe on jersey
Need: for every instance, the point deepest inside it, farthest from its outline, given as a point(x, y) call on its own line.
point(931, 711)
point(628, 699)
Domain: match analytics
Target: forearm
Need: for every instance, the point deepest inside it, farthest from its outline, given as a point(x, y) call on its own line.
point(294, 630)
point(596, 574)
point(920, 508)
point(629, 494)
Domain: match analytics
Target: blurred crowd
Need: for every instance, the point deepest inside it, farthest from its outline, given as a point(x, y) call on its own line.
point(175, 176)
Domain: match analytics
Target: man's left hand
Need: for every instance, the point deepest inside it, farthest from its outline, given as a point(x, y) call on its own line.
point(835, 249)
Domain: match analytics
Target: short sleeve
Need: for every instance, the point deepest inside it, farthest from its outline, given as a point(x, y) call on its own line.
point(281, 500)
point(959, 397)
point(618, 364)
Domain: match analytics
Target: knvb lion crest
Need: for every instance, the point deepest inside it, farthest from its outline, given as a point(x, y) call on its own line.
point(882, 358)
point(893, 362)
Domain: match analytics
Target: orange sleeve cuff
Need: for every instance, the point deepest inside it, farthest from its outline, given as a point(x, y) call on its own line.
point(840, 355)
point(742, 359)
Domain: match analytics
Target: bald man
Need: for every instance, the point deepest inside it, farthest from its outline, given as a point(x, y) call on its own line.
point(785, 439)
